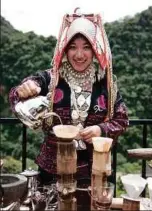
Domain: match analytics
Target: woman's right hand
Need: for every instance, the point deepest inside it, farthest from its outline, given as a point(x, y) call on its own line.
point(27, 89)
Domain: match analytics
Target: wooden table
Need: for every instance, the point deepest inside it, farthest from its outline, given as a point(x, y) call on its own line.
point(117, 204)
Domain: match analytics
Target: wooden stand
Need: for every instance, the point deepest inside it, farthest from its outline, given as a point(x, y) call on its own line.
point(66, 158)
point(131, 205)
point(101, 168)
point(67, 205)
point(66, 170)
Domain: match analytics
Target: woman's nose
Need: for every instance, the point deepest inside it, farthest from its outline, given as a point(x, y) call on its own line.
point(79, 54)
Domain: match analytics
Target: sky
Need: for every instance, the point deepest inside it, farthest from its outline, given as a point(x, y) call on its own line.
point(45, 16)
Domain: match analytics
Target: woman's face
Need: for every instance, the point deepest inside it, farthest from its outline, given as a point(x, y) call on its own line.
point(79, 53)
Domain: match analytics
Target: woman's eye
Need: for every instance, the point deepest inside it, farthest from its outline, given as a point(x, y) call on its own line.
point(72, 47)
point(87, 47)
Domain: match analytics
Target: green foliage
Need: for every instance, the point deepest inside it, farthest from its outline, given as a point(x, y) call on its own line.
point(21, 55)
point(34, 140)
point(120, 189)
point(14, 166)
point(130, 168)
point(31, 164)
point(11, 141)
point(11, 165)
point(131, 46)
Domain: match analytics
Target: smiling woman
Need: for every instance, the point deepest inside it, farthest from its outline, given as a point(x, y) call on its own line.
point(79, 53)
point(80, 88)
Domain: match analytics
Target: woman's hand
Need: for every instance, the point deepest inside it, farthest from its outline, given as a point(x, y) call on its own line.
point(28, 89)
point(89, 132)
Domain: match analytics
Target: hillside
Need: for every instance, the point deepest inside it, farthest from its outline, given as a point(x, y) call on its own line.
point(6, 28)
point(21, 55)
point(131, 42)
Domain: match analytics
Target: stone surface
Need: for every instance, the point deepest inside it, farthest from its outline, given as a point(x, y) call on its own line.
point(13, 188)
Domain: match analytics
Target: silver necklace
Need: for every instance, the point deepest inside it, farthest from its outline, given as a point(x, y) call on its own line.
point(83, 80)
point(81, 90)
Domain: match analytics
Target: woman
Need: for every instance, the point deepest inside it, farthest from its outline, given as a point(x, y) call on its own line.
point(82, 91)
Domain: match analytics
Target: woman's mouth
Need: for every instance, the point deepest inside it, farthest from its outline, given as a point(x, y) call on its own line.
point(79, 62)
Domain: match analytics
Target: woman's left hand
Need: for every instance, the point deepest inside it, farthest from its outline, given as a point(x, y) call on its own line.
point(89, 132)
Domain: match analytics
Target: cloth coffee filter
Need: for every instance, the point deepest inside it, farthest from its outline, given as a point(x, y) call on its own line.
point(66, 131)
point(102, 144)
point(134, 185)
point(149, 182)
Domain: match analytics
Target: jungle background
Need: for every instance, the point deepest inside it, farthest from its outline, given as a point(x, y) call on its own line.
point(25, 53)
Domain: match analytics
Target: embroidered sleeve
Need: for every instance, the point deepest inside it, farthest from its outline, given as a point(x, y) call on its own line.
point(43, 80)
point(114, 127)
point(13, 98)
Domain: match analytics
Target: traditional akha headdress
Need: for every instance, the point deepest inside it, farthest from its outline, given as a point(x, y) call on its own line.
point(91, 26)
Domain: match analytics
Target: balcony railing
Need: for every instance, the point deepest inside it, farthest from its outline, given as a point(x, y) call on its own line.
point(143, 122)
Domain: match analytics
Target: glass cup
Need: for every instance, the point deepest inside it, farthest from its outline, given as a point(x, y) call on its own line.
point(40, 198)
point(102, 196)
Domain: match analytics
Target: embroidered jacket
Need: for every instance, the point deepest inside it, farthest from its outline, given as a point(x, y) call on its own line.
point(96, 115)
